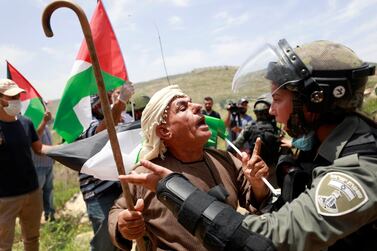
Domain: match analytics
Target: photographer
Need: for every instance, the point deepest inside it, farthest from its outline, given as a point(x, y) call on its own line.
point(236, 118)
point(265, 128)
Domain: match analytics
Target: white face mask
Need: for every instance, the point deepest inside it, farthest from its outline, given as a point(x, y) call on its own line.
point(13, 108)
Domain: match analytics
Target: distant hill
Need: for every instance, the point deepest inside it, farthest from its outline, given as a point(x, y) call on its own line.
point(209, 81)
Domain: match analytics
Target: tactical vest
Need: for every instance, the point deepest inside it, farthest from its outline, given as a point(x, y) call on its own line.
point(270, 136)
point(298, 177)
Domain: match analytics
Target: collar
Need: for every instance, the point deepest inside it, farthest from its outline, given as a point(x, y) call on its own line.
point(333, 145)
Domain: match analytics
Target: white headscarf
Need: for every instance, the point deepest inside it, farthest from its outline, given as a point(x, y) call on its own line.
point(153, 116)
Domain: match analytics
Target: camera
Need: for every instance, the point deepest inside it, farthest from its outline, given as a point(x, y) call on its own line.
point(233, 108)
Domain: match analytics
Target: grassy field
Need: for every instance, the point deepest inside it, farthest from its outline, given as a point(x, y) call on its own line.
point(61, 234)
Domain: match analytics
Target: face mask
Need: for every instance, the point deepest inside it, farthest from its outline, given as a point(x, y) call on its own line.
point(304, 143)
point(13, 108)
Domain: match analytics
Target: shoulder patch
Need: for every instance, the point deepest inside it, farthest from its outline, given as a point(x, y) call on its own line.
point(339, 194)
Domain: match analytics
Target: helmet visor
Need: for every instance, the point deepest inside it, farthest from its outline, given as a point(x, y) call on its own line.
point(268, 64)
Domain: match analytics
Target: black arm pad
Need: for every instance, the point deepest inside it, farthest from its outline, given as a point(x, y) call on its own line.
point(175, 191)
point(217, 224)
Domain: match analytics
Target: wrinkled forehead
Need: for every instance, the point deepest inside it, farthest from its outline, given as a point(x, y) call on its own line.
point(178, 101)
point(173, 106)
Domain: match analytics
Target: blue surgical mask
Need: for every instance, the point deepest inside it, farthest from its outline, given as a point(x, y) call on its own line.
point(304, 143)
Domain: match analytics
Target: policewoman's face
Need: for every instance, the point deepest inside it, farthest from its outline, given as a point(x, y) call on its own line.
point(281, 106)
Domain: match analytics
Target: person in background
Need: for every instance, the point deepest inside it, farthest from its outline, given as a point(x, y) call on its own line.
point(265, 128)
point(175, 134)
point(138, 101)
point(237, 117)
point(208, 103)
point(315, 87)
point(20, 195)
point(44, 168)
point(99, 195)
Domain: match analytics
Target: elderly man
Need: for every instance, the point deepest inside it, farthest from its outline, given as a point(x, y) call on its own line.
point(175, 134)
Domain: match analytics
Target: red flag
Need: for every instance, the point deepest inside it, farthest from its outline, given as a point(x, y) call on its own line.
point(32, 103)
point(22, 82)
point(73, 115)
point(107, 47)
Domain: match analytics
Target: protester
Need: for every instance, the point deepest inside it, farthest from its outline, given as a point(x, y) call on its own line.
point(20, 195)
point(208, 103)
point(316, 87)
point(135, 106)
point(99, 195)
point(175, 134)
point(237, 117)
point(44, 168)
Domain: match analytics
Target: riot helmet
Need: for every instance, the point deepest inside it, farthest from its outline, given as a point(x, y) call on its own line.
point(138, 101)
point(262, 106)
point(324, 76)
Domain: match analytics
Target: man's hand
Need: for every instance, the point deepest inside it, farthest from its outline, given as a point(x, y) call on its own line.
point(147, 180)
point(236, 129)
point(285, 142)
point(254, 169)
point(47, 116)
point(126, 92)
point(131, 224)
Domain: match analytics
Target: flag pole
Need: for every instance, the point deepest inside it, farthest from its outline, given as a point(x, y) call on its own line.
point(268, 184)
point(46, 16)
point(9, 76)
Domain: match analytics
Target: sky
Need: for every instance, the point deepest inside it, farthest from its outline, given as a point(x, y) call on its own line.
point(193, 33)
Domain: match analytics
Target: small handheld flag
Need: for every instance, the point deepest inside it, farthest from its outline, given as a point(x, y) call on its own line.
point(32, 104)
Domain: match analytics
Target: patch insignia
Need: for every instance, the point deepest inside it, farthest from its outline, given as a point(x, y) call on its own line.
point(338, 194)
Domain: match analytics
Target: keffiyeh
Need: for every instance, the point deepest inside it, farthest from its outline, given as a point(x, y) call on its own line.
point(153, 116)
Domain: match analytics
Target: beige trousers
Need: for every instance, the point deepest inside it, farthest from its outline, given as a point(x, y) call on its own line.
point(28, 207)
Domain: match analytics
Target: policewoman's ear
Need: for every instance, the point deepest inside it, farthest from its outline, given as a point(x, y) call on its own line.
point(163, 132)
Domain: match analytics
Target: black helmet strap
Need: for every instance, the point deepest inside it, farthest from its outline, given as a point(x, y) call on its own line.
point(297, 125)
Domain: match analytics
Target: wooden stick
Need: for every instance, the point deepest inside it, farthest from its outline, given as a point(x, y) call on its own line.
point(101, 89)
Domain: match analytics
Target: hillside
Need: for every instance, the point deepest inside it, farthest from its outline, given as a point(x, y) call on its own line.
point(216, 82)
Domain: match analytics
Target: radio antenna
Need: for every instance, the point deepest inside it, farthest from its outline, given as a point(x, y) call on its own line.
point(162, 53)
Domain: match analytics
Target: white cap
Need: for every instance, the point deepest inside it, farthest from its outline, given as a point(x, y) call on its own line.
point(9, 87)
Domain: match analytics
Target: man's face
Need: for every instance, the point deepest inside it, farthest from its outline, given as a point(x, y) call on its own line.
point(243, 107)
point(281, 106)
point(4, 99)
point(208, 105)
point(186, 123)
point(115, 94)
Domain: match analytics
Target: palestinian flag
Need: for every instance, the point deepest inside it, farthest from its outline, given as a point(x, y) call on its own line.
point(32, 103)
point(218, 129)
point(74, 112)
point(94, 155)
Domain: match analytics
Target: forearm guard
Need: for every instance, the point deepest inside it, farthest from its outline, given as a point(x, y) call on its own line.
point(217, 224)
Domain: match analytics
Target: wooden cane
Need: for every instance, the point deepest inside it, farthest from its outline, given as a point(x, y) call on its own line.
point(46, 16)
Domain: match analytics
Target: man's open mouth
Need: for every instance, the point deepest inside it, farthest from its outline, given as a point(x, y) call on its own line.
point(201, 121)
